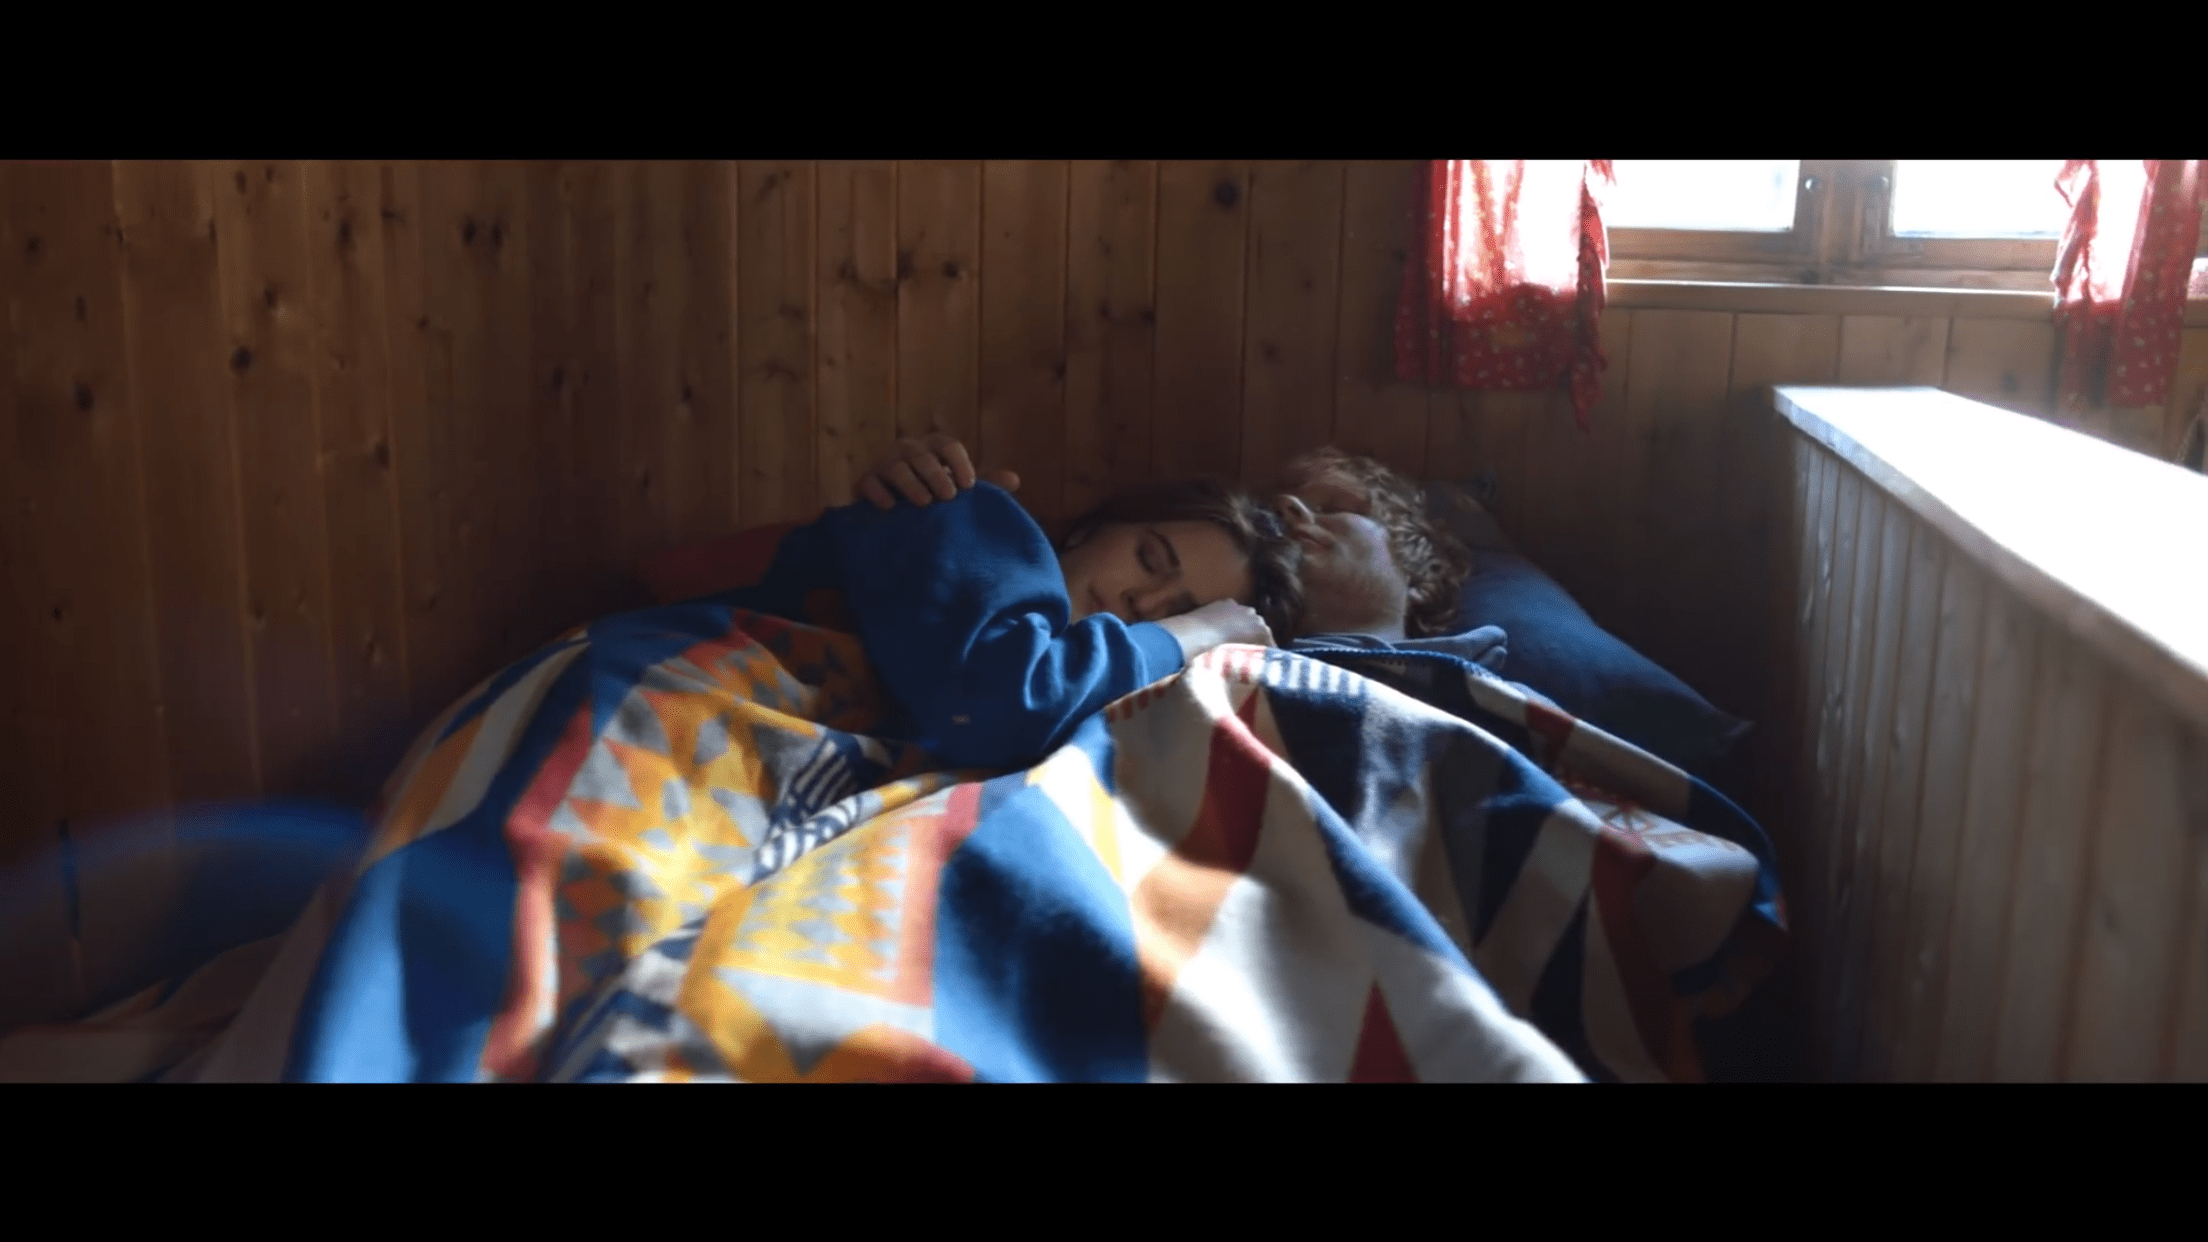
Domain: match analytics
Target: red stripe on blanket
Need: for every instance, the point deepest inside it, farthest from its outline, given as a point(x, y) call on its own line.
point(510, 1050)
point(1621, 862)
point(1174, 905)
point(931, 841)
point(1553, 726)
point(1380, 1056)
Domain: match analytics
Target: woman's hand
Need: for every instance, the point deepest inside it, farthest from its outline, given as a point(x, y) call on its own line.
point(921, 471)
point(1217, 625)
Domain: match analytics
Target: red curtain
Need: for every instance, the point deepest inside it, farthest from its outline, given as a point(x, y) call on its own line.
point(1504, 284)
point(2120, 278)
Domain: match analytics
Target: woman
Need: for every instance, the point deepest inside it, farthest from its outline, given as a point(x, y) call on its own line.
point(993, 643)
point(1369, 561)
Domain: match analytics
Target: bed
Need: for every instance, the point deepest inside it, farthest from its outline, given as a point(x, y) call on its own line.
point(673, 850)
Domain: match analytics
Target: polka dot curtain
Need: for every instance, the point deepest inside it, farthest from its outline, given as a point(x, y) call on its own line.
point(2120, 280)
point(1503, 288)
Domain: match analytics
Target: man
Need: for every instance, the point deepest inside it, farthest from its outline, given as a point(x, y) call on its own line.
point(1377, 571)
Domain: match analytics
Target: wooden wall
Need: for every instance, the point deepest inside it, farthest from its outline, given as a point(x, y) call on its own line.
point(293, 453)
point(1996, 832)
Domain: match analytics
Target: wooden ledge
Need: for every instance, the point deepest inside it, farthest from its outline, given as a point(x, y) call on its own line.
point(1829, 300)
point(1717, 295)
point(2101, 540)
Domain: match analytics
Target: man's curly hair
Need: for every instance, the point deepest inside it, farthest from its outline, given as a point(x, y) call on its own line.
point(1433, 560)
point(1276, 588)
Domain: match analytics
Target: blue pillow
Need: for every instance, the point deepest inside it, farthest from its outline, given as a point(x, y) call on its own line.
point(1557, 649)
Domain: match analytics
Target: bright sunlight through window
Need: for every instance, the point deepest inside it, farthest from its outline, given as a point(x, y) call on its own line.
point(1751, 196)
point(1978, 198)
point(1931, 198)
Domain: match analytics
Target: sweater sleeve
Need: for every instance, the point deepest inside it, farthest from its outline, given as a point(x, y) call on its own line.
point(964, 613)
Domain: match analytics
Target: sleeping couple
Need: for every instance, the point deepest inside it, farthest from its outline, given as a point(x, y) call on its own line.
point(995, 644)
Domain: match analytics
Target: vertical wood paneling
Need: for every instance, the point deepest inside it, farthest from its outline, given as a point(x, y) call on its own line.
point(1555, 453)
point(1452, 424)
point(1797, 610)
point(1822, 749)
point(1480, 438)
point(1023, 329)
point(2046, 899)
point(1985, 861)
point(507, 453)
point(1809, 612)
point(1767, 350)
point(556, 576)
point(350, 374)
point(1375, 413)
point(1857, 528)
point(2003, 833)
point(178, 352)
point(180, 390)
point(1868, 1032)
point(423, 459)
point(1202, 257)
point(774, 339)
point(2134, 901)
point(2004, 362)
point(1609, 454)
point(40, 978)
point(22, 531)
point(1993, 817)
point(2188, 389)
point(1874, 648)
point(1570, 515)
point(78, 611)
point(260, 217)
point(1891, 350)
point(2188, 1055)
point(1290, 331)
point(654, 303)
point(1676, 404)
point(604, 478)
point(78, 622)
point(1111, 321)
point(466, 366)
point(938, 297)
point(712, 387)
point(858, 321)
point(1932, 877)
point(707, 364)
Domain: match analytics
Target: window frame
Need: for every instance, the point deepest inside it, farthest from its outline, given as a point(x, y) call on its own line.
point(1843, 235)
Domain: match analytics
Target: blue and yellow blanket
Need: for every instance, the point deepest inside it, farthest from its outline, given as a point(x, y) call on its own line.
point(668, 848)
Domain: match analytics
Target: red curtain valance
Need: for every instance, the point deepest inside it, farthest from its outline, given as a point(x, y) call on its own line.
point(2121, 277)
point(1504, 284)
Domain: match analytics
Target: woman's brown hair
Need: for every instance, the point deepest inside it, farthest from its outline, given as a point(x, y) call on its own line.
point(1276, 591)
point(1434, 561)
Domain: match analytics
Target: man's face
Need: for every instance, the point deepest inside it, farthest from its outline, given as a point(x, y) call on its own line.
point(1350, 579)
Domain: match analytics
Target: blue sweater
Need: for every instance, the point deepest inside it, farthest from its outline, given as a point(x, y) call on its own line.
point(965, 618)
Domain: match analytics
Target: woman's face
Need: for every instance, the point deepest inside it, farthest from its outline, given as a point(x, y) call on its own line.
point(1149, 571)
point(1351, 582)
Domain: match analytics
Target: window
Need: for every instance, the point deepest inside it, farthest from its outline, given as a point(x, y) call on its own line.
point(1984, 198)
point(1982, 224)
point(1749, 196)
